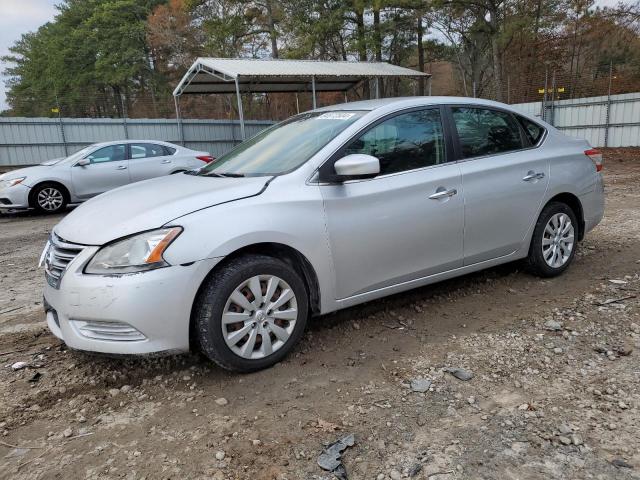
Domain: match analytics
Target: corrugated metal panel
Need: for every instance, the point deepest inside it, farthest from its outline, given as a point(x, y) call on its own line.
point(29, 141)
point(217, 75)
point(587, 118)
point(287, 68)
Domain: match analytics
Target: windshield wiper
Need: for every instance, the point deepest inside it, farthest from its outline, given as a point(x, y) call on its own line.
point(224, 175)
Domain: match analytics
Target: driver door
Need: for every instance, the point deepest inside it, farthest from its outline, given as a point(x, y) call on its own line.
point(398, 226)
point(109, 169)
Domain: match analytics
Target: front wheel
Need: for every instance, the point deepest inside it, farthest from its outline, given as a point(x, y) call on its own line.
point(48, 198)
point(251, 313)
point(554, 240)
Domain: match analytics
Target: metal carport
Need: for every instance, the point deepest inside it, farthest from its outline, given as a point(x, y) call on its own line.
point(231, 75)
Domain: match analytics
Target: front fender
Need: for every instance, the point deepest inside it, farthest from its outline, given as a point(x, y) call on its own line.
point(294, 219)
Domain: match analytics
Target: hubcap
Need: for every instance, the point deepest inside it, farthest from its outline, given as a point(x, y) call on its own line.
point(50, 199)
point(558, 240)
point(259, 317)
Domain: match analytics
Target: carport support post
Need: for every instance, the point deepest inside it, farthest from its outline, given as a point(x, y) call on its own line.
point(313, 91)
point(240, 113)
point(377, 87)
point(179, 120)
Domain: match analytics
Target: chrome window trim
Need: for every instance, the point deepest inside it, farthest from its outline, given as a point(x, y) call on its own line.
point(491, 107)
point(311, 179)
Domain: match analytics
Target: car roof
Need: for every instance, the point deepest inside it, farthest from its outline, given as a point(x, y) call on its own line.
point(370, 105)
point(118, 142)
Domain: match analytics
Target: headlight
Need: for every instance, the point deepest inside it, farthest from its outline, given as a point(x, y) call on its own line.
point(12, 182)
point(139, 253)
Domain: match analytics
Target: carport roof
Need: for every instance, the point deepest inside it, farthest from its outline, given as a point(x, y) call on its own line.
point(219, 75)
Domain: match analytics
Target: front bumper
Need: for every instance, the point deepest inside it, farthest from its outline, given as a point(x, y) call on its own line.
point(129, 314)
point(14, 198)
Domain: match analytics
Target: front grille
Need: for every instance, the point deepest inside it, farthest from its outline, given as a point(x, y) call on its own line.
point(112, 331)
point(5, 201)
point(58, 256)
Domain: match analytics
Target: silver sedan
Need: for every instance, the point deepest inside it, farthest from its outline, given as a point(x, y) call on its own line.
point(326, 210)
point(51, 186)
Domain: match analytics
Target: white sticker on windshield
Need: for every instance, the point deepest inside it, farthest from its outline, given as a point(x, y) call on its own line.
point(336, 116)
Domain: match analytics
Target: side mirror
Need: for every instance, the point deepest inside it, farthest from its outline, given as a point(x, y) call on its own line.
point(83, 162)
point(356, 166)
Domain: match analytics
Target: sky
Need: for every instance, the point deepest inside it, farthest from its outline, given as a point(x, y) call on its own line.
point(21, 16)
point(18, 17)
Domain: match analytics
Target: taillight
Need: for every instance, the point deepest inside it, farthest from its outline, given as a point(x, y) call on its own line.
point(596, 158)
point(206, 158)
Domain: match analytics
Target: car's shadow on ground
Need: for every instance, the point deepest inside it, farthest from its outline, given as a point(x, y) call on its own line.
point(139, 368)
point(34, 214)
point(427, 293)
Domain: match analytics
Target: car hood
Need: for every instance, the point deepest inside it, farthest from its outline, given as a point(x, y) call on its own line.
point(53, 161)
point(151, 204)
point(32, 173)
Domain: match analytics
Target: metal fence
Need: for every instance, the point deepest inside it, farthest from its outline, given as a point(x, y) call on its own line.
point(605, 121)
point(29, 141)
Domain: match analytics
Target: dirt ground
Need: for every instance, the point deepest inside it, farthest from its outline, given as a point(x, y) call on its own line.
point(555, 391)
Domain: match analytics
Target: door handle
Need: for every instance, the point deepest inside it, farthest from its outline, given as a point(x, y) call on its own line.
point(121, 167)
point(166, 161)
point(442, 193)
point(531, 175)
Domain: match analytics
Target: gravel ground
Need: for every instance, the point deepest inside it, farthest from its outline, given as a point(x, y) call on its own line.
point(555, 391)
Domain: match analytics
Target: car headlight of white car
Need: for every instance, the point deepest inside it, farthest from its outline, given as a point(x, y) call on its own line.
point(12, 182)
point(138, 253)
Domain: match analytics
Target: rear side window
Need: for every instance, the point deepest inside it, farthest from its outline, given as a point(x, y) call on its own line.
point(404, 142)
point(168, 150)
point(146, 150)
point(532, 130)
point(484, 131)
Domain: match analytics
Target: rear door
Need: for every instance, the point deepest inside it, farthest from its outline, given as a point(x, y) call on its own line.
point(108, 170)
point(504, 176)
point(149, 160)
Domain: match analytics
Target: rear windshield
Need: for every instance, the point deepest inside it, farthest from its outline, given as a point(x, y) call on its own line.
point(283, 147)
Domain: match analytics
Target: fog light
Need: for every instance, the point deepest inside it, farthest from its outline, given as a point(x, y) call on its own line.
point(108, 331)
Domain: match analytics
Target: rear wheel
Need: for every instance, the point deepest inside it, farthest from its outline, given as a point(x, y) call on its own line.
point(251, 313)
point(554, 241)
point(48, 198)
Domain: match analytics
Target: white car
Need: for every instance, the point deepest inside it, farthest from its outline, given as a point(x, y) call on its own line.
point(100, 167)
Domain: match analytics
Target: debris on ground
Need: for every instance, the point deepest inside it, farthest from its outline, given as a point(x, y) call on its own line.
point(330, 458)
point(19, 365)
point(460, 373)
point(420, 385)
point(620, 463)
point(553, 325)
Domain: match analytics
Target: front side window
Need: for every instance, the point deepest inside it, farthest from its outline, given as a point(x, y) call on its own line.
point(112, 153)
point(483, 131)
point(404, 142)
point(146, 150)
point(283, 147)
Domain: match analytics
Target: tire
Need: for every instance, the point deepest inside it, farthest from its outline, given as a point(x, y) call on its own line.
point(542, 261)
point(250, 350)
point(49, 198)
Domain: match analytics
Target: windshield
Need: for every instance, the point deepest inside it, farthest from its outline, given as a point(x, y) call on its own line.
point(283, 147)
